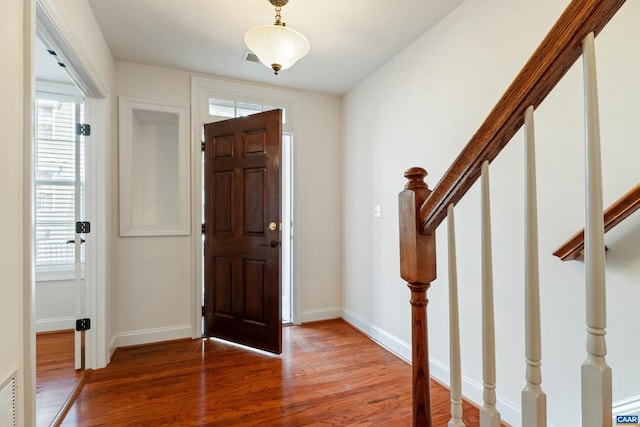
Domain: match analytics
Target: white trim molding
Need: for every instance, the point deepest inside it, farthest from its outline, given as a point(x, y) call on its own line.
point(56, 35)
point(55, 324)
point(629, 406)
point(395, 345)
point(471, 389)
point(153, 130)
point(147, 336)
point(321, 314)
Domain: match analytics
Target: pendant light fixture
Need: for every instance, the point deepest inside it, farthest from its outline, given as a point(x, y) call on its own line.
point(277, 46)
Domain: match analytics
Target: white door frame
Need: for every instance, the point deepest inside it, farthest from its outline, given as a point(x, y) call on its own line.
point(201, 90)
point(48, 29)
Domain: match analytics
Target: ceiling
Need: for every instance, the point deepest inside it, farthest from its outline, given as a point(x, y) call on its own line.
point(349, 38)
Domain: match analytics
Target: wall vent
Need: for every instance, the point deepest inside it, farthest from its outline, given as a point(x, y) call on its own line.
point(250, 57)
point(8, 402)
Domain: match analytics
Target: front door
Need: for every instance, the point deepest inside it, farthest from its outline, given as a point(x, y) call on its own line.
point(242, 230)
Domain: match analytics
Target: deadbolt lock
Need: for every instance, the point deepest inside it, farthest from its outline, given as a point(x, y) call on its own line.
point(273, 226)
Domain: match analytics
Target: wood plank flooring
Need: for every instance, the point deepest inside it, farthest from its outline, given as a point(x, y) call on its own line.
point(329, 374)
point(56, 376)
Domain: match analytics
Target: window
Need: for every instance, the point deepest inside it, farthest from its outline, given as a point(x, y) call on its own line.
point(231, 109)
point(59, 175)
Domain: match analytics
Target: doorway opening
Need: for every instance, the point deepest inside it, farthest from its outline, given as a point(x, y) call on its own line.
point(214, 100)
point(59, 190)
point(287, 228)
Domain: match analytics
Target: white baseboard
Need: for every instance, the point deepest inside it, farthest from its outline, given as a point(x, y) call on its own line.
point(321, 314)
point(629, 406)
point(510, 412)
point(55, 324)
point(472, 390)
point(146, 336)
point(395, 345)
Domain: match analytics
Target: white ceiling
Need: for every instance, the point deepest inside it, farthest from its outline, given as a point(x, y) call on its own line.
point(349, 38)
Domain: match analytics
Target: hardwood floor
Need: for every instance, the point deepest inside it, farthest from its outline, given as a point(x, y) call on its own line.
point(329, 374)
point(56, 376)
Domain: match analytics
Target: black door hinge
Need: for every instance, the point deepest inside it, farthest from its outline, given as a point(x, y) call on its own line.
point(202, 228)
point(83, 324)
point(83, 227)
point(203, 311)
point(83, 129)
point(202, 146)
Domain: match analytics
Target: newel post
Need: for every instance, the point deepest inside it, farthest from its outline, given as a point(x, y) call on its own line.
point(418, 268)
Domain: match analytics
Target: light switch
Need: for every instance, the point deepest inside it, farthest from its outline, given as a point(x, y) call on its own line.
point(376, 211)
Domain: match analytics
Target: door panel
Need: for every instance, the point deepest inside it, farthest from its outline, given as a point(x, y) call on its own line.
point(222, 203)
point(254, 198)
point(223, 297)
point(241, 252)
point(254, 291)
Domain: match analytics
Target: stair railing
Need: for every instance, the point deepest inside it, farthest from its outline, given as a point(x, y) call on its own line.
point(614, 215)
point(421, 211)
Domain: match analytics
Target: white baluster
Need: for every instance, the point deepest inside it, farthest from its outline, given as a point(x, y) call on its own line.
point(454, 328)
point(534, 401)
point(489, 415)
point(596, 375)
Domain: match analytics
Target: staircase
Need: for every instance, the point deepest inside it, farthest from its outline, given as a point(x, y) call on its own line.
point(422, 211)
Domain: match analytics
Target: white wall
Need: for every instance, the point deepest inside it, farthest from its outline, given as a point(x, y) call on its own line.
point(153, 279)
point(12, 322)
point(55, 305)
point(420, 109)
point(317, 228)
point(152, 282)
point(17, 33)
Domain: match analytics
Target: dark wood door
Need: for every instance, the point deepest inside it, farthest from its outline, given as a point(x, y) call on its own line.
point(242, 230)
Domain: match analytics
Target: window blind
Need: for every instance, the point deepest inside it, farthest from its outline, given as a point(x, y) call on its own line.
point(55, 181)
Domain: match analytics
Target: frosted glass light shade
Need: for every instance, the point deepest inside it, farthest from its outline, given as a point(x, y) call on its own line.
point(277, 46)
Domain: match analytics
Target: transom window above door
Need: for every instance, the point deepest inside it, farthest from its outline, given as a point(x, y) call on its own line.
point(232, 109)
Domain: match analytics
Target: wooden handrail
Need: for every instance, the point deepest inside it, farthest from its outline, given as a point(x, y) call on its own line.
point(616, 213)
point(556, 54)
